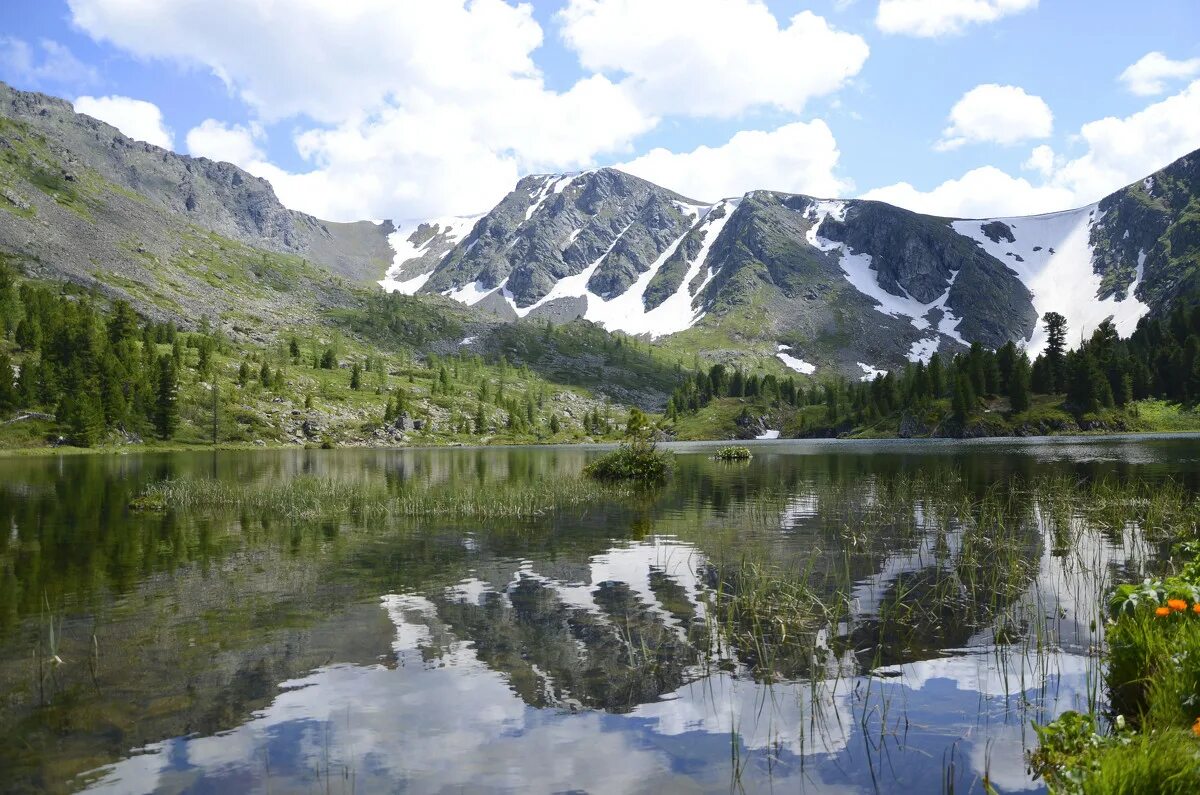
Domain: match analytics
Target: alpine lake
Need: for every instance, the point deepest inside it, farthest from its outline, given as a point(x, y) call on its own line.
point(840, 616)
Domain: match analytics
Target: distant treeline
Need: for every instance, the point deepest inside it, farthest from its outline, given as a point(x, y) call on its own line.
point(1160, 359)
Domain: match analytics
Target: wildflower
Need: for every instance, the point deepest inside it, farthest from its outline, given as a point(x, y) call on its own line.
point(1162, 611)
point(1196, 727)
point(1177, 604)
point(1196, 608)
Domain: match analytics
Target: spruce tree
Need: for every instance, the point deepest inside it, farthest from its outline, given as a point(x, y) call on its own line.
point(8, 390)
point(166, 407)
point(1056, 346)
point(243, 376)
point(1019, 383)
point(356, 377)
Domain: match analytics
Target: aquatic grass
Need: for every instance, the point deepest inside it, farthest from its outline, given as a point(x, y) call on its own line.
point(311, 497)
point(733, 453)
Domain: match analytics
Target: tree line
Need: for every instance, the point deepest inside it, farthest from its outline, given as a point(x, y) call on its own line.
point(1160, 359)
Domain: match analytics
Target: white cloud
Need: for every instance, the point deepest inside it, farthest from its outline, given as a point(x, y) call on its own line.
point(711, 57)
point(136, 118)
point(943, 17)
point(1150, 74)
point(234, 143)
point(1041, 160)
point(798, 158)
point(1119, 152)
point(421, 109)
point(50, 64)
point(980, 193)
point(991, 113)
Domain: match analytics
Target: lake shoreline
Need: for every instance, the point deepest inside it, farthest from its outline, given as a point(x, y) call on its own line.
point(128, 449)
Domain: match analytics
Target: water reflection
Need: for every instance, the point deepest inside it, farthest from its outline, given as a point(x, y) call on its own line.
point(231, 651)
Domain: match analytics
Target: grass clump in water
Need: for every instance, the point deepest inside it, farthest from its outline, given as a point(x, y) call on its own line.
point(637, 460)
point(733, 453)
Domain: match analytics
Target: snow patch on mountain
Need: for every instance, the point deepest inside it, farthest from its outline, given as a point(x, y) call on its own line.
point(1053, 256)
point(627, 311)
point(795, 363)
point(870, 372)
point(858, 270)
point(450, 230)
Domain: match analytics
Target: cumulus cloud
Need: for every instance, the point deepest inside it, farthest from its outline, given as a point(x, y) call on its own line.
point(981, 192)
point(711, 57)
point(1119, 151)
point(991, 113)
point(1150, 74)
point(50, 64)
point(402, 111)
point(930, 18)
point(234, 143)
point(800, 157)
point(136, 118)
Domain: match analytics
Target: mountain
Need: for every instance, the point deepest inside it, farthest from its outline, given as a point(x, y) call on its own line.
point(819, 285)
point(181, 237)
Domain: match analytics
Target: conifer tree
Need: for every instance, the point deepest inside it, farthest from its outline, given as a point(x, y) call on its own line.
point(355, 377)
point(166, 408)
point(243, 376)
point(1019, 378)
point(8, 390)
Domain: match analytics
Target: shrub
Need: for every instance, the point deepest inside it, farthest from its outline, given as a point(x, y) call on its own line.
point(733, 454)
point(637, 460)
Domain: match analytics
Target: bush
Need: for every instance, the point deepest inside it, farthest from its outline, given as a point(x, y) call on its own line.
point(637, 460)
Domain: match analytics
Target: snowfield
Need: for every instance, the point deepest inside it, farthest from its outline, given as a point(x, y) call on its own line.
point(1056, 265)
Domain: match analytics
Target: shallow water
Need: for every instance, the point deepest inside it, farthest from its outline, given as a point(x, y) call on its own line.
point(226, 650)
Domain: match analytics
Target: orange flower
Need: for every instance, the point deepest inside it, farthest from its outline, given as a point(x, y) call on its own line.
point(1196, 608)
point(1177, 604)
point(1196, 727)
point(1162, 611)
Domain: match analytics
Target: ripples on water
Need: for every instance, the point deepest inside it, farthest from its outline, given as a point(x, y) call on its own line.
point(225, 650)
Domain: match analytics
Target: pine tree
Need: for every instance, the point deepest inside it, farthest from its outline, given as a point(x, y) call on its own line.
point(328, 359)
point(554, 424)
point(355, 377)
point(243, 376)
point(166, 408)
point(264, 375)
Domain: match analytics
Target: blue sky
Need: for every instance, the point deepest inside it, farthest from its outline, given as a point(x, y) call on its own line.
point(379, 108)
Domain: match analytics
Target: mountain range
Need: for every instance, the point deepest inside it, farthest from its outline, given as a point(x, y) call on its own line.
point(771, 280)
point(824, 285)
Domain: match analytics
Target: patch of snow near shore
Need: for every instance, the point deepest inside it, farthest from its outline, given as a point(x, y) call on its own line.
point(769, 434)
point(799, 365)
point(858, 271)
point(1060, 273)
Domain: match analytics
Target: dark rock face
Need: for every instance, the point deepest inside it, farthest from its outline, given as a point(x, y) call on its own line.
point(996, 231)
point(552, 227)
point(917, 255)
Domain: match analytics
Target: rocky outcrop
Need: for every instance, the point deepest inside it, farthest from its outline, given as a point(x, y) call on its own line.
point(553, 227)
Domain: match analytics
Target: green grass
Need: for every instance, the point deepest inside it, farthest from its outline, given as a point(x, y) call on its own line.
point(310, 497)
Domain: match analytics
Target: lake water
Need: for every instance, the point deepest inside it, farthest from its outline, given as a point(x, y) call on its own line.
point(231, 650)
